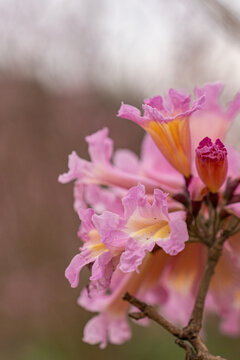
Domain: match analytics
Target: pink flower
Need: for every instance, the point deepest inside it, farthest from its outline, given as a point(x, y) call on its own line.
point(144, 226)
point(108, 236)
point(225, 288)
point(213, 121)
point(171, 282)
point(135, 236)
point(234, 208)
point(125, 171)
point(181, 276)
point(102, 328)
point(100, 170)
point(167, 121)
point(111, 324)
point(102, 199)
point(155, 166)
point(93, 252)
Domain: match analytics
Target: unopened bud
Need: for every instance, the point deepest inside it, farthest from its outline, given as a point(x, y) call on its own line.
point(212, 163)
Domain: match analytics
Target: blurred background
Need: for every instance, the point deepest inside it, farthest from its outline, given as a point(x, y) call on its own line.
point(65, 67)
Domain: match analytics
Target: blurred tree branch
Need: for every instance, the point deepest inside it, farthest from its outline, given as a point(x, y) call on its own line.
point(225, 16)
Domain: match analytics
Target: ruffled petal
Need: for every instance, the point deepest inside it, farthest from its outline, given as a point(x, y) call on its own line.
point(76, 168)
point(133, 255)
point(95, 331)
point(126, 160)
point(109, 226)
point(75, 266)
point(130, 112)
point(100, 147)
point(103, 199)
point(118, 331)
point(85, 215)
point(178, 237)
point(213, 114)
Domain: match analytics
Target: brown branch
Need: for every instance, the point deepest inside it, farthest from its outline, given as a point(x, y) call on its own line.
point(137, 315)
point(188, 338)
point(193, 344)
point(225, 16)
point(195, 322)
point(151, 313)
point(190, 354)
point(214, 253)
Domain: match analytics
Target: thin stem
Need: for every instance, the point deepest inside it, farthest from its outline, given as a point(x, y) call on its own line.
point(152, 314)
point(214, 254)
point(188, 337)
point(193, 345)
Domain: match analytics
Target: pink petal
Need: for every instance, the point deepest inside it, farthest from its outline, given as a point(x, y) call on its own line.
point(233, 162)
point(130, 112)
point(134, 198)
point(91, 299)
point(102, 199)
point(75, 266)
point(76, 166)
point(85, 215)
point(155, 102)
point(173, 111)
point(176, 301)
point(95, 331)
point(126, 160)
point(230, 324)
point(79, 198)
point(133, 255)
point(178, 237)
point(214, 113)
point(234, 209)
point(109, 226)
point(118, 331)
point(159, 206)
point(211, 92)
point(102, 269)
point(100, 146)
point(233, 107)
point(180, 101)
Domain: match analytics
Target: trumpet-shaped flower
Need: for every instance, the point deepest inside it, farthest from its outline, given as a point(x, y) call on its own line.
point(144, 226)
point(93, 252)
point(100, 170)
point(171, 282)
point(111, 323)
point(225, 288)
point(109, 235)
point(167, 121)
point(213, 121)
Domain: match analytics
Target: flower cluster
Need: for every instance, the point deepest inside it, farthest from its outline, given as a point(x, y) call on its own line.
point(146, 222)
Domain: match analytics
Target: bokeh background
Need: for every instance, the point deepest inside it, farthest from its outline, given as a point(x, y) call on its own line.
point(65, 66)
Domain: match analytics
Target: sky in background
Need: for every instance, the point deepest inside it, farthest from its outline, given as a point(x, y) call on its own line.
point(131, 44)
point(128, 48)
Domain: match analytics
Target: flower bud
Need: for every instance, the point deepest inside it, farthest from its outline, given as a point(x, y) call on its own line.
point(212, 163)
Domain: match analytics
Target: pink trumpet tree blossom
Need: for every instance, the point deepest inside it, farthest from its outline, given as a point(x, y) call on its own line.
point(161, 229)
